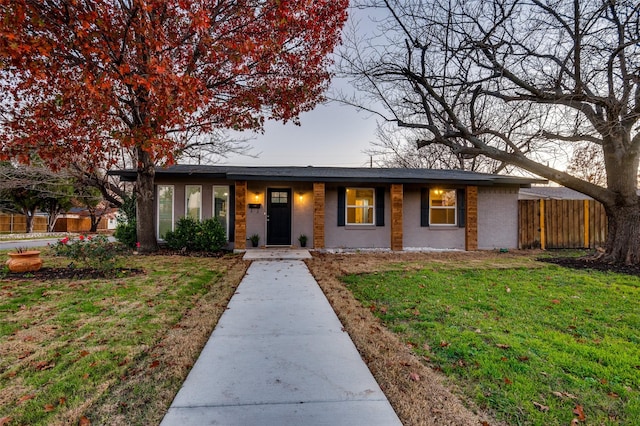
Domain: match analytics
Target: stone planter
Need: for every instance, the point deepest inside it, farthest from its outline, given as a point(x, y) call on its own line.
point(27, 261)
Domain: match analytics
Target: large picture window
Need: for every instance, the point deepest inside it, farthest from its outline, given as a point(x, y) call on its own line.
point(360, 206)
point(165, 210)
point(442, 207)
point(221, 206)
point(193, 201)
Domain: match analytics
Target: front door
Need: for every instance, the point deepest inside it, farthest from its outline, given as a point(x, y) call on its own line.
point(278, 216)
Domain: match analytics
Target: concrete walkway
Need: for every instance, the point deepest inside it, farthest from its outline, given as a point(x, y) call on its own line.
point(279, 356)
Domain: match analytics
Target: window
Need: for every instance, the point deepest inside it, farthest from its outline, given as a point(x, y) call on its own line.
point(193, 201)
point(221, 206)
point(165, 210)
point(360, 206)
point(279, 197)
point(442, 207)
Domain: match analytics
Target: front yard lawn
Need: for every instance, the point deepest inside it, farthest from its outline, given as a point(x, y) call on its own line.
point(107, 351)
point(535, 345)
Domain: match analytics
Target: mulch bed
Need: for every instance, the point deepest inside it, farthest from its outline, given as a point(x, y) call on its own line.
point(592, 264)
point(45, 274)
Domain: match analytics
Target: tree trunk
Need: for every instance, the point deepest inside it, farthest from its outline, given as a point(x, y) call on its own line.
point(623, 238)
point(29, 221)
point(51, 222)
point(95, 220)
point(623, 211)
point(145, 212)
point(52, 219)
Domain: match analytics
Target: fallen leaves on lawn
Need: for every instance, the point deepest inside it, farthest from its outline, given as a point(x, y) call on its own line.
point(578, 411)
point(84, 421)
point(564, 395)
point(44, 365)
point(541, 407)
point(25, 398)
point(24, 354)
point(415, 377)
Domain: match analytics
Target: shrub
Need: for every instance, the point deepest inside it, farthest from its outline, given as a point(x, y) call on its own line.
point(190, 234)
point(213, 236)
point(126, 228)
point(126, 233)
point(92, 251)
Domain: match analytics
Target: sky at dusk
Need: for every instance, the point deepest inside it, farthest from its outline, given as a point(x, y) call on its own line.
point(330, 135)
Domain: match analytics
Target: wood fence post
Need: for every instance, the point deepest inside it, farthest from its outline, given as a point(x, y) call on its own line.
point(586, 223)
point(543, 237)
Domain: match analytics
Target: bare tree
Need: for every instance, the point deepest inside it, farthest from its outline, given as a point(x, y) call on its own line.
point(521, 83)
point(397, 148)
point(587, 163)
point(25, 189)
point(210, 148)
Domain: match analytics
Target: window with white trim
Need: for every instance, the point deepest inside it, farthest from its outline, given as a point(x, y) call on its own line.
point(221, 206)
point(193, 201)
point(165, 210)
point(442, 207)
point(360, 205)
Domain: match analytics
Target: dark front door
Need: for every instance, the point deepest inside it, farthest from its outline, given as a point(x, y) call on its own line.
point(278, 216)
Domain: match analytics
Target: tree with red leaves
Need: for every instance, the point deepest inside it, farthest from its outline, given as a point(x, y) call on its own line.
point(84, 79)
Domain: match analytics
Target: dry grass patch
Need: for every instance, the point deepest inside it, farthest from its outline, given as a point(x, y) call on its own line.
point(419, 395)
point(158, 378)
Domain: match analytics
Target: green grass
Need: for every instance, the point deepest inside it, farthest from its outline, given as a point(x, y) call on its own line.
point(513, 337)
point(64, 343)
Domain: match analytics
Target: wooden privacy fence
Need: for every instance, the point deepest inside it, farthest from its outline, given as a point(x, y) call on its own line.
point(78, 224)
point(557, 224)
point(17, 223)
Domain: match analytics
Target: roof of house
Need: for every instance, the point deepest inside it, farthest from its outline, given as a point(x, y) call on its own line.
point(335, 174)
point(551, 193)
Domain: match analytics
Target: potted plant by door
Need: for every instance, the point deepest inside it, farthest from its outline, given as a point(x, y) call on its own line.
point(23, 260)
point(255, 239)
point(303, 240)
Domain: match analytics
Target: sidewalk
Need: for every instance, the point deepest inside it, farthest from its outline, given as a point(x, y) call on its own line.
point(279, 356)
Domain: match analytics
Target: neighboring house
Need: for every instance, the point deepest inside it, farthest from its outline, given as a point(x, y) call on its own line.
point(344, 208)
